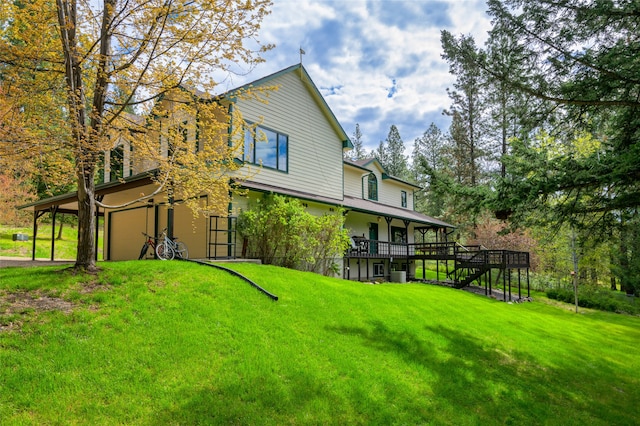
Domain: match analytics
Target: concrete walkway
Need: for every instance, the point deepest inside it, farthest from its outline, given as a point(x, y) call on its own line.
point(25, 262)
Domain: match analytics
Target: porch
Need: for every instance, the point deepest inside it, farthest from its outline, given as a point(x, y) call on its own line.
point(462, 265)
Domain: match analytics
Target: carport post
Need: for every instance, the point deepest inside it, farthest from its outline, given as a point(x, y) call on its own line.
point(54, 212)
point(35, 232)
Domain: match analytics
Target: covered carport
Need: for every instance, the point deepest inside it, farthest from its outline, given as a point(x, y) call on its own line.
point(68, 204)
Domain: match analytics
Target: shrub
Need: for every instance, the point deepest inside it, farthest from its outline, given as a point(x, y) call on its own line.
point(279, 231)
point(597, 298)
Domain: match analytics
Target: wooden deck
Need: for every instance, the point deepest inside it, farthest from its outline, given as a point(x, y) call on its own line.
point(470, 263)
point(467, 256)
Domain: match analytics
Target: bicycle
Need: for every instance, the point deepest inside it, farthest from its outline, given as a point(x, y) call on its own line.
point(168, 249)
point(149, 242)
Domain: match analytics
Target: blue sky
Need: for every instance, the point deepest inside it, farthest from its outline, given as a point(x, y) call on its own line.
point(376, 62)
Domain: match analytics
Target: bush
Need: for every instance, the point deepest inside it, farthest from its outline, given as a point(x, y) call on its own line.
point(597, 298)
point(279, 231)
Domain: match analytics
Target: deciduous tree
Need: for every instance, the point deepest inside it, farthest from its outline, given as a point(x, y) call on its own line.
point(107, 56)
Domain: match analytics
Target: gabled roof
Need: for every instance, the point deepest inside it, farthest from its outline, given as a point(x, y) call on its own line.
point(301, 72)
point(364, 163)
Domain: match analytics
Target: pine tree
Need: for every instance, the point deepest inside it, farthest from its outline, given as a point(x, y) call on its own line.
point(358, 152)
point(428, 163)
point(391, 154)
point(467, 108)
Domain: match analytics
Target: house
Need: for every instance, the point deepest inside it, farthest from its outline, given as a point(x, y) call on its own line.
point(301, 155)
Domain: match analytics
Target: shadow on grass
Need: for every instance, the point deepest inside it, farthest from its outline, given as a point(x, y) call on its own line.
point(477, 381)
point(447, 377)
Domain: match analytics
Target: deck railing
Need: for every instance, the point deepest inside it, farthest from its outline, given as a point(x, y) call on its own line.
point(470, 255)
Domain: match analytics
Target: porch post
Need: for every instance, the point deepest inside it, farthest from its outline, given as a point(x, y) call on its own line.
point(437, 261)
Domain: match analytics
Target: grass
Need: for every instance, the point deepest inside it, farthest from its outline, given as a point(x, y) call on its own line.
point(65, 248)
point(153, 342)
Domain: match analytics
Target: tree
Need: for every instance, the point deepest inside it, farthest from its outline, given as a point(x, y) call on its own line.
point(391, 154)
point(467, 109)
point(428, 160)
point(358, 152)
point(586, 64)
point(109, 56)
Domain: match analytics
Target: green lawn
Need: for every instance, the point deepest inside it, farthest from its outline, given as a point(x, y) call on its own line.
point(65, 248)
point(151, 342)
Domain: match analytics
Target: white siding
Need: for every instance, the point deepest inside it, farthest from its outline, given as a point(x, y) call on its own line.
point(389, 193)
point(315, 149)
point(353, 181)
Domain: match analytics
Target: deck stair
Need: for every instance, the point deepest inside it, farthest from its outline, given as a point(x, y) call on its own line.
point(472, 262)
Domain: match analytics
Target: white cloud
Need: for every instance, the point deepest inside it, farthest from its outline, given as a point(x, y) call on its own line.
point(355, 49)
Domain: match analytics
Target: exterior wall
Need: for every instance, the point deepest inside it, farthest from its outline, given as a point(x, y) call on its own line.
point(353, 181)
point(389, 191)
point(314, 148)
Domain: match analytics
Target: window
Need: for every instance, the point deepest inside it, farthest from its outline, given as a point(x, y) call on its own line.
point(378, 269)
point(398, 235)
point(372, 183)
point(177, 140)
point(267, 148)
point(116, 164)
point(403, 198)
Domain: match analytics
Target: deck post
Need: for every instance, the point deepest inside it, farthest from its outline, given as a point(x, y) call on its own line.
point(504, 282)
point(519, 288)
point(490, 279)
point(509, 285)
point(367, 269)
point(528, 291)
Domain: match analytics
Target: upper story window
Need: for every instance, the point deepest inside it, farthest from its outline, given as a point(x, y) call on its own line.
point(179, 141)
point(267, 148)
point(119, 163)
point(372, 186)
point(403, 198)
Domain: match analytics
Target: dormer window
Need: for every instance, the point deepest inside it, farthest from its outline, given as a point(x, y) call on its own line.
point(403, 198)
point(372, 184)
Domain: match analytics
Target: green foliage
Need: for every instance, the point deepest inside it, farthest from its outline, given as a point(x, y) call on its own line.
point(279, 231)
point(358, 152)
point(390, 153)
point(597, 298)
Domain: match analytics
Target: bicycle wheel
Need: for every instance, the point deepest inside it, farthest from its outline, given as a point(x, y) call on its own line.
point(165, 252)
point(181, 250)
point(143, 252)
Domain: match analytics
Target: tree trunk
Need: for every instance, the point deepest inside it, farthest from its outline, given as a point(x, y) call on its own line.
point(59, 237)
point(85, 258)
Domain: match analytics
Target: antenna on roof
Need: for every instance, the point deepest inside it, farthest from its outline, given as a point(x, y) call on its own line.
point(302, 52)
